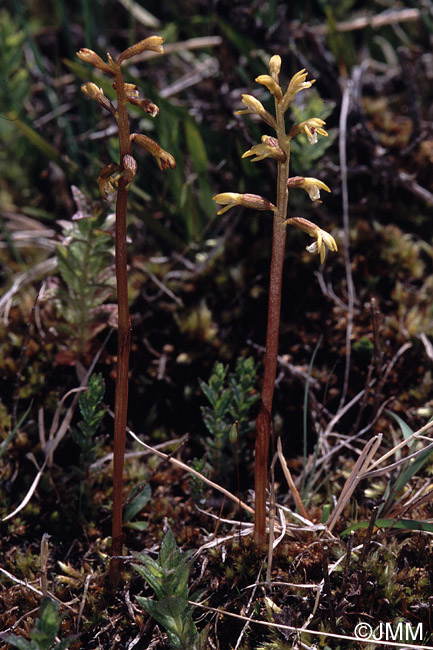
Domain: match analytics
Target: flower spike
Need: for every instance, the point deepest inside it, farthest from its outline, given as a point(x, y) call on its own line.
point(122, 175)
point(278, 148)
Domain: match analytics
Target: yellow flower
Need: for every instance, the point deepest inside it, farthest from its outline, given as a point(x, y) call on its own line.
point(296, 84)
point(311, 185)
point(268, 148)
point(324, 240)
point(310, 127)
point(271, 85)
point(231, 199)
point(254, 106)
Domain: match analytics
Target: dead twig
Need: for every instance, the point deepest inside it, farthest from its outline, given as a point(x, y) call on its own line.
point(388, 17)
point(185, 467)
point(291, 483)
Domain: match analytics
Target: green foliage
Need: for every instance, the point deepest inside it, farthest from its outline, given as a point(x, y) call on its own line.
point(168, 577)
point(398, 524)
point(14, 93)
point(89, 403)
point(43, 636)
point(341, 8)
point(397, 481)
point(85, 266)
point(138, 499)
point(15, 82)
point(5, 443)
point(231, 396)
point(196, 484)
point(199, 159)
point(407, 470)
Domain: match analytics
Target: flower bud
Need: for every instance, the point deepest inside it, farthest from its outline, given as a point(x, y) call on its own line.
point(271, 85)
point(94, 92)
point(275, 67)
point(231, 199)
point(163, 158)
point(89, 56)
point(153, 43)
point(254, 106)
point(129, 169)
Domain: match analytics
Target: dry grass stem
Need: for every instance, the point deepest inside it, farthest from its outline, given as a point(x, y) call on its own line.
point(192, 471)
point(291, 483)
point(354, 478)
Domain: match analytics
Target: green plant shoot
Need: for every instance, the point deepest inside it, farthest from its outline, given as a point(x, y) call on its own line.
point(43, 636)
point(168, 577)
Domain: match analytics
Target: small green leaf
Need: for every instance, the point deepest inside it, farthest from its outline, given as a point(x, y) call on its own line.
point(139, 499)
point(137, 525)
point(402, 524)
point(17, 641)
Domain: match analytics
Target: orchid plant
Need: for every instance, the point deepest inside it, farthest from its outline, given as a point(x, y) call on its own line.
point(277, 148)
point(119, 176)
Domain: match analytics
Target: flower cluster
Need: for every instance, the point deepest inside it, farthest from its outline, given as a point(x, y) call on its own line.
point(110, 175)
point(278, 148)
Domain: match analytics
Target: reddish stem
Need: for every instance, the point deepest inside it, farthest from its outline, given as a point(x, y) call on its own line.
point(123, 337)
point(263, 421)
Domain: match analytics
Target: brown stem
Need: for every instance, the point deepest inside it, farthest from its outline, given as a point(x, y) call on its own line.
point(123, 337)
point(263, 421)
